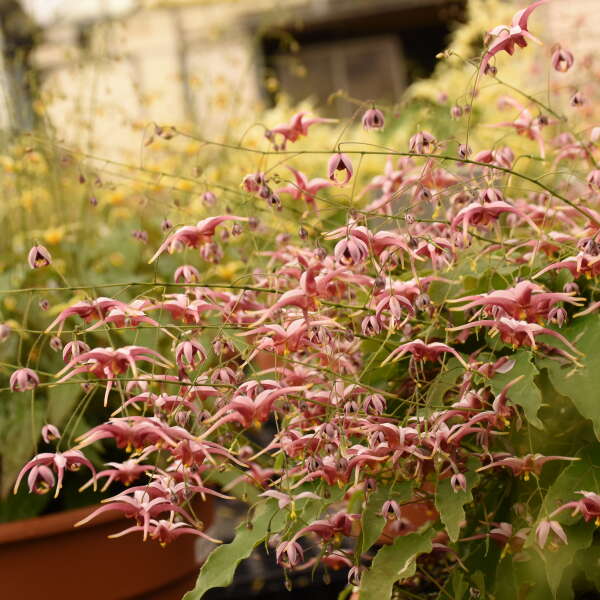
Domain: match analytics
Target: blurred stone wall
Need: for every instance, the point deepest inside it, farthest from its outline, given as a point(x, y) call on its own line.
point(198, 62)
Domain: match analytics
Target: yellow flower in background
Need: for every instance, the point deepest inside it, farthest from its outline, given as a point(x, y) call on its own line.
point(54, 235)
point(121, 213)
point(116, 197)
point(7, 163)
point(228, 270)
point(184, 185)
point(193, 148)
point(26, 200)
point(116, 259)
point(10, 303)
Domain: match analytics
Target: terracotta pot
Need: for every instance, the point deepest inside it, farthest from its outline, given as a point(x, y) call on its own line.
point(46, 557)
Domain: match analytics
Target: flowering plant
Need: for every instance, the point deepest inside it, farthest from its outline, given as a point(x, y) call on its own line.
point(403, 387)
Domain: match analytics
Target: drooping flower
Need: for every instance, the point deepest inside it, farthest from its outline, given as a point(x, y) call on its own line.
point(50, 433)
point(422, 143)
point(544, 528)
point(70, 460)
point(562, 59)
point(339, 162)
point(23, 380)
point(39, 257)
point(373, 119)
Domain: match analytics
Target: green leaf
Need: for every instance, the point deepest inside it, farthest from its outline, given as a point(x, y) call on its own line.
point(582, 474)
point(394, 562)
point(578, 475)
point(582, 385)
point(450, 504)
point(580, 537)
point(219, 568)
point(525, 393)
point(371, 521)
point(444, 382)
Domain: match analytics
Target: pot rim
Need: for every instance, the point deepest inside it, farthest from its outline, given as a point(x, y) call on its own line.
point(54, 524)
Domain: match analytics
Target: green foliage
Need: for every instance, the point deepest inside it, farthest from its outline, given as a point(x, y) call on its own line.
point(219, 568)
point(525, 393)
point(450, 504)
point(581, 384)
point(393, 563)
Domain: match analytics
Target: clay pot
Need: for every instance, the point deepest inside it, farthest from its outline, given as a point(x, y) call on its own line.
point(46, 557)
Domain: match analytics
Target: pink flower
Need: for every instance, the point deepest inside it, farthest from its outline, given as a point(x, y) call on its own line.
point(588, 506)
point(59, 461)
point(339, 162)
point(525, 301)
point(23, 380)
point(74, 348)
point(107, 363)
point(126, 473)
point(422, 143)
point(530, 463)
point(289, 554)
point(165, 531)
point(544, 528)
point(39, 257)
point(517, 333)
point(297, 127)
point(509, 36)
point(562, 60)
point(391, 510)
point(458, 482)
point(188, 354)
point(194, 236)
point(50, 433)
point(284, 500)
point(422, 351)
point(373, 119)
point(304, 189)
point(40, 479)
point(351, 251)
point(482, 215)
point(187, 273)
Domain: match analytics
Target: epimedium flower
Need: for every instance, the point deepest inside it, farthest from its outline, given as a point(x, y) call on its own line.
point(39, 257)
point(339, 162)
point(194, 236)
point(588, 507)
point(562, 59)
point(23, 380)
point(303, 188)
point(289, 554)
point(297, 127)
point(71, 460)
point(530, 463)
point(507, 37)
point(373, 119)
point(421, 350)
point(518, 333)
point(50, 433)
point(422, 142)
point(525, 301)
point(545, 527)
point(107, 363)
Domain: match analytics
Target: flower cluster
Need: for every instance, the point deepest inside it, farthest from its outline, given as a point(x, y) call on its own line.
point(370, 385)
